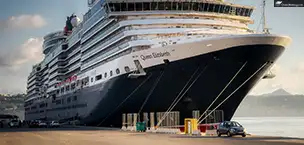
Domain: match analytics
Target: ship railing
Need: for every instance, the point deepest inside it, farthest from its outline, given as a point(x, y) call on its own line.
point(96, 30)
point(78, 65)
point(105, 33)
point(108, 41)
point(69, 56)
point(105, 56)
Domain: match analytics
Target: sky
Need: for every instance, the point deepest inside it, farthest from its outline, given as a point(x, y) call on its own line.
point(23, 23)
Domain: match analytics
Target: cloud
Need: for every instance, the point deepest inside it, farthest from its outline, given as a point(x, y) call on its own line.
point(290, 79)
point(23, 22)
point(29, 51)
point(16, 65)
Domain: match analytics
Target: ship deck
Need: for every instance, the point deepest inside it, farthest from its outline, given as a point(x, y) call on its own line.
point(94, 135)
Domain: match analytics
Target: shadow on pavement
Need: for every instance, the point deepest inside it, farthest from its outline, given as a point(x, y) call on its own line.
point(63, 128)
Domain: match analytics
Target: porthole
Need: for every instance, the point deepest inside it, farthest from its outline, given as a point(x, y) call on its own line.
point(127, 69)
point(117, 71)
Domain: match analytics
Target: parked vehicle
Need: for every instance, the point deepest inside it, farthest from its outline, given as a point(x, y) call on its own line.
point(34, 123)
point(42, 124)
point(14, 123)
point(54, 124)
point(231, 128)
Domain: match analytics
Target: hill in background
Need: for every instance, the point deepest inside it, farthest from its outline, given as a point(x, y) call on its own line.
point(278, 103)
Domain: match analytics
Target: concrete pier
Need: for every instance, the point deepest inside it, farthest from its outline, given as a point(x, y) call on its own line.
point(102, 136)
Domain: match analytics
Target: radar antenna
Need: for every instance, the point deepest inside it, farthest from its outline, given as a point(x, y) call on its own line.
point(264, 26)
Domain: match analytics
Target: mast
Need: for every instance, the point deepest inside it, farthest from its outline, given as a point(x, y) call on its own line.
point(265, 28)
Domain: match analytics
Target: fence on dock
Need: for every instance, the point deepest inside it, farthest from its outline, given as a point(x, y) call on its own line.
point(171, 122)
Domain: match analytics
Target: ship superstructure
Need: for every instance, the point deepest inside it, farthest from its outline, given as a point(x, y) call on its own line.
point(144, 56)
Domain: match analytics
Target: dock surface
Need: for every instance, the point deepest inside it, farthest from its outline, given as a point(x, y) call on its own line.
point(93, 136)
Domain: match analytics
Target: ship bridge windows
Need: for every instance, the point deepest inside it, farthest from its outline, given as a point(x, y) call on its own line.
point(182, 6)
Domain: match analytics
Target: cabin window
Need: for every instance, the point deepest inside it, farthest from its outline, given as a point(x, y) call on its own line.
point(62, 90)
point(138, 6)
point(78, 82)
point(67, 88)
point(238, 11)
point(105, 75)
point(91, 79)
point(117, 71)
point(111, 73)
point(186, 6)
point(74, 98)
point(146, 6)
point(73, 86)
point(124, 6)
point(69, 100)
point(195, 6)
point(178, 6)
point(127, 69)
point(131, 6)
point(98, 77)
point(85, 81)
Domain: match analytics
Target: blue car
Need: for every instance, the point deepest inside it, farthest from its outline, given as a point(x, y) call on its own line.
point(230, 128)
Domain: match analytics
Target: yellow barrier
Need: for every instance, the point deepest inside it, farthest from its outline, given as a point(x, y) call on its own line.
point(190, 125)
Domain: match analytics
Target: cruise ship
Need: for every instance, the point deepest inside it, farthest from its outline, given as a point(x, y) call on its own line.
point(194, 59)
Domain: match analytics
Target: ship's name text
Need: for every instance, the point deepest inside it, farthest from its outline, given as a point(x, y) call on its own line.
point(155, 55)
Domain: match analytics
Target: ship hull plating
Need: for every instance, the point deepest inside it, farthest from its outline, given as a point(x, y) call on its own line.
point(214, 71)
point(104, 104)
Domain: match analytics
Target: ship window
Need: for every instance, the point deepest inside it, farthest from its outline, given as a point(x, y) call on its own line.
point(131, 6)
point(243, 12)
point(203, 6)
point(161, 6)
point(111, 73)
point(123, 6)
point(194, 6)
point(67, 88)
point(238, 11)
point(75, 98)
point(105, 75)
point(250, 12)
point(138, 6)
point(226, 9)
point(98, 77)
point(154, 6)
point(91, 79)
point(146, 6)
point(117, 71)
point(216, 8)
point(127, 69)
point(69, 100)
point(62, 90)
point(116, 6)
point(186, 6)
point(73, 86)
